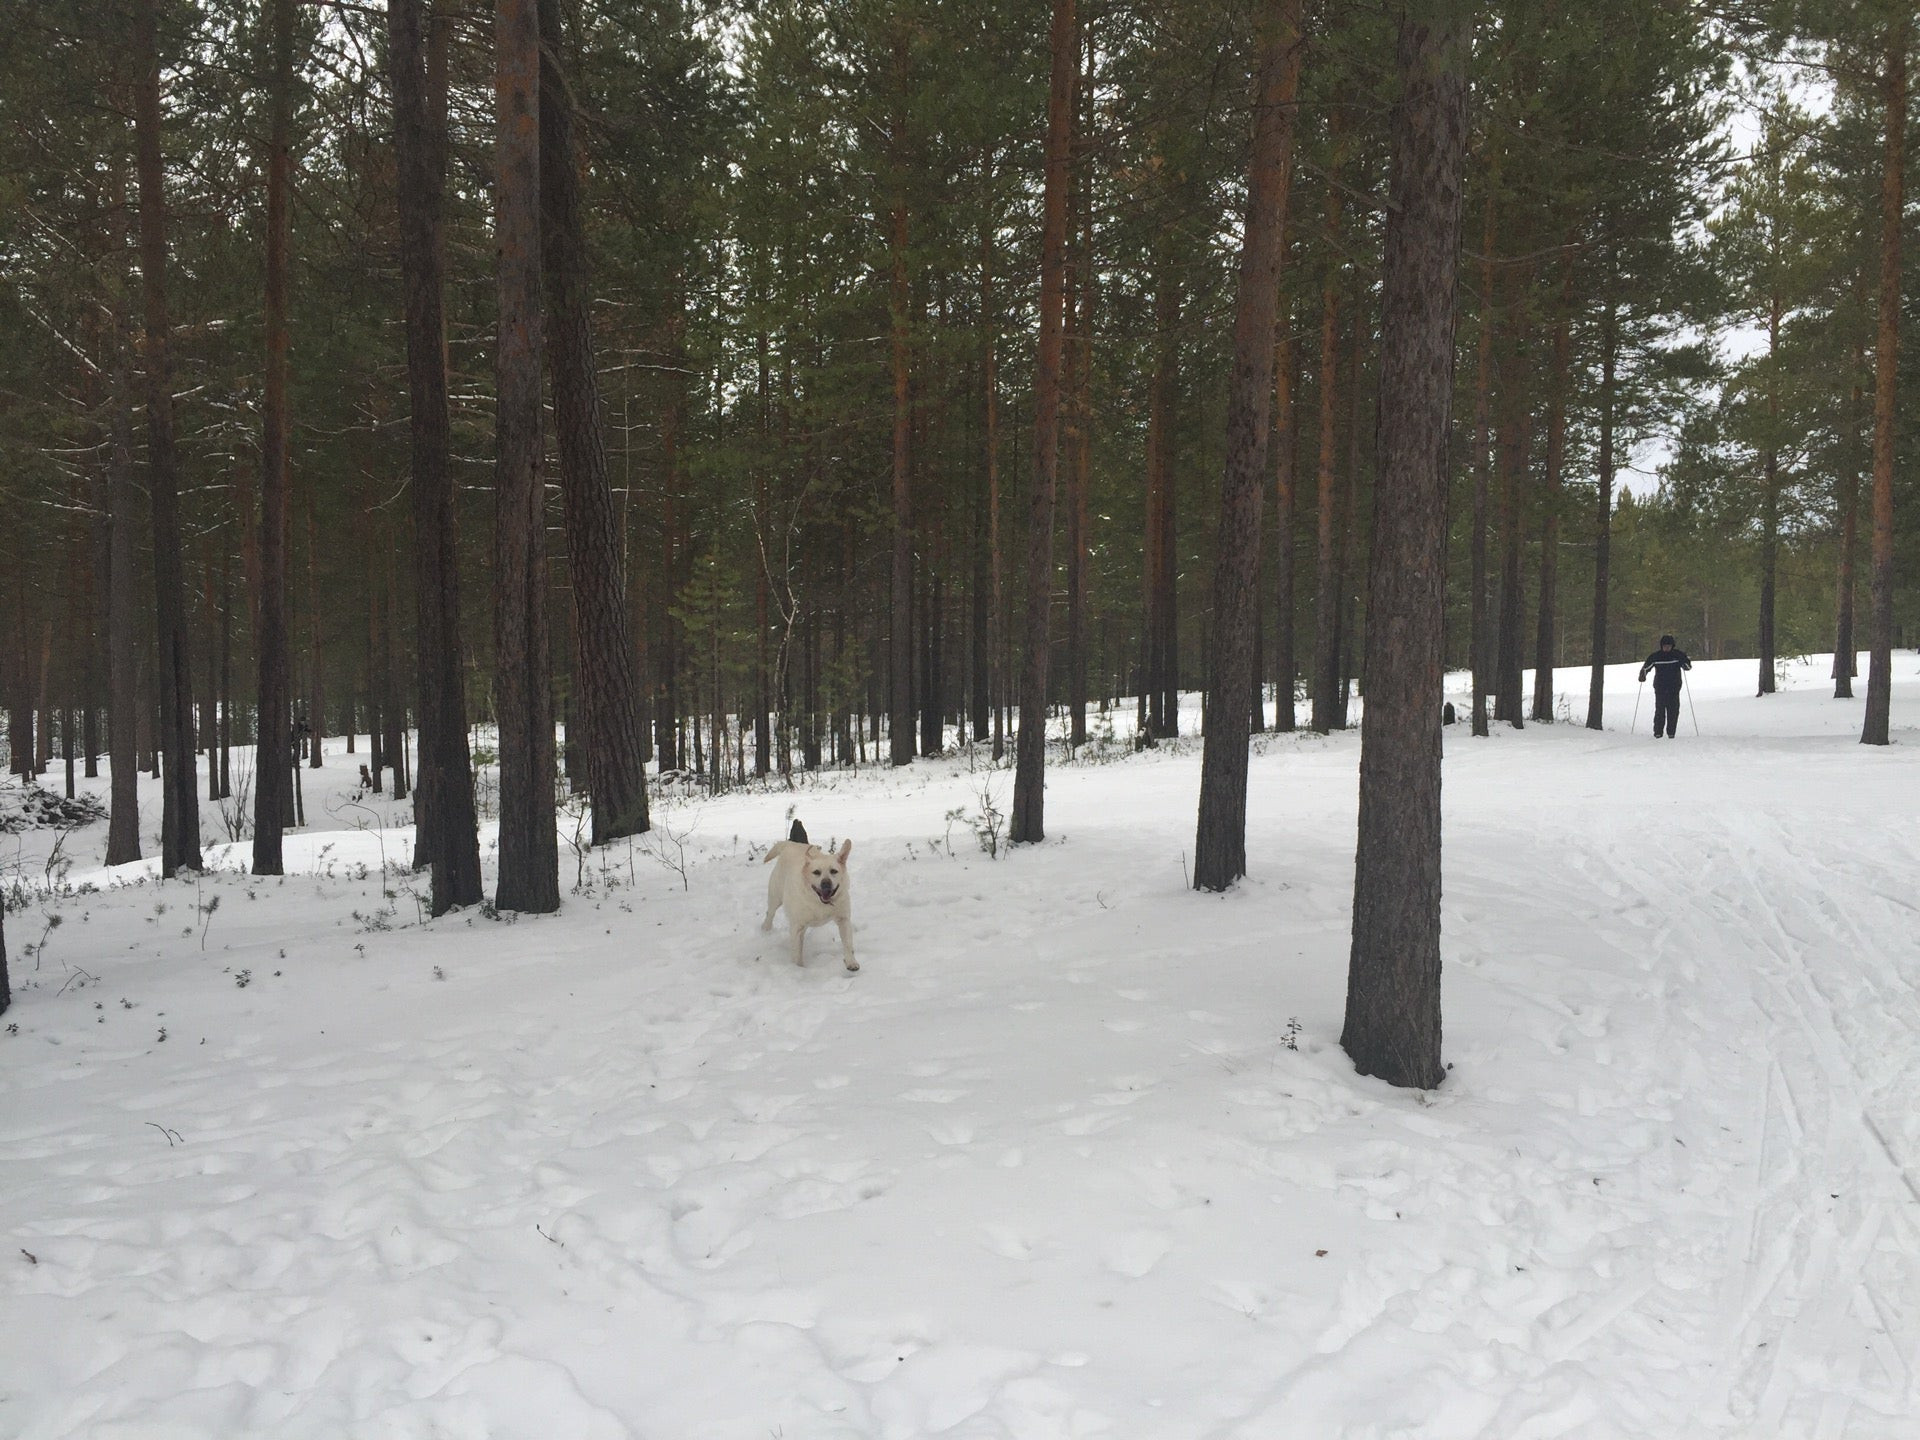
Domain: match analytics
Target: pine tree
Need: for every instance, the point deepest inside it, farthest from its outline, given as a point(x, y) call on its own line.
point(180, 815)
point(604, 640)
point(271, 642)
point(1220, 847)
point(1392, 1024)
point(1886, 369)
point(529, 877)
point(443, 801)
point(1028, 823)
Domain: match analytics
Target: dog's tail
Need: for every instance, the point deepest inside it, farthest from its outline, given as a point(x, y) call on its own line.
point(798, 834)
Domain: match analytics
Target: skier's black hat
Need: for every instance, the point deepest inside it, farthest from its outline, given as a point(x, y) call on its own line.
point(1666, 640)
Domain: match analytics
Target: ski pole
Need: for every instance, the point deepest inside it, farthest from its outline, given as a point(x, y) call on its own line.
point(1690, 710)
point(1636, 705)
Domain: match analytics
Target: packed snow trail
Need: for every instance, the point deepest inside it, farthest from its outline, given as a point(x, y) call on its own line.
point(1075, 1154)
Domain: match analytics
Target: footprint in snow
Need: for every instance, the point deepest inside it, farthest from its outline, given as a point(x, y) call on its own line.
point(1130, 1088)
point(1007, 1243)
point(1137, 1252)
point(951, 1130)
point(1089, 1124)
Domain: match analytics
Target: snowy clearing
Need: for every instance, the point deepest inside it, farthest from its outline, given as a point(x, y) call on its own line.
point(1075, 1154)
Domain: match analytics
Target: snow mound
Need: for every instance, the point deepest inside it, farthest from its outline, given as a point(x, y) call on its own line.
point(29, 807)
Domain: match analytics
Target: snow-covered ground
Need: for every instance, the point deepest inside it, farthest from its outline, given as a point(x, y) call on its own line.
point(1075, 1154)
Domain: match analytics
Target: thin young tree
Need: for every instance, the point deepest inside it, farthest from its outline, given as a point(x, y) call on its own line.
point(1160, 625)
point(1874, 729)
point(1392, 1027)
point(1077, 386)
point(180, 806)
point(1512, 437)
point(609, 690)
point(1603, 519)
point(1220, 846)
point(443, 771)
point(990, 443)
point(1326, 597)
point(271, 642)
point(1480, 613)
point(900, 353)
point(1028, 824)
point(1284, 448)
point(1848, 481)
point(1550, 492)
point(1762, 240)
point(529, 878)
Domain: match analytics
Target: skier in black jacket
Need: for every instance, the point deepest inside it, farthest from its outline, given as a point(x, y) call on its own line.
point(1666, 663)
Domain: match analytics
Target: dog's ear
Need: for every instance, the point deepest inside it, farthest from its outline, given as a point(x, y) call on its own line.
point(846, 849)
point(798, 833)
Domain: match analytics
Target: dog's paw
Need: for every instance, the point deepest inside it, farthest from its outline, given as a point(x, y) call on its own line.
point(853, 964)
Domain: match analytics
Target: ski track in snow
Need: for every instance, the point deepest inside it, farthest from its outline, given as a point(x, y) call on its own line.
point(1049, 1166)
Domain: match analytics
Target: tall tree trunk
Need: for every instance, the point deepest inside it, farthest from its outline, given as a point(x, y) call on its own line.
point(900, 304)
point(90, 715)
point(316, 649)
point(1220, 845)
point(1077, 385)
point(271, 644)
point(665, 654)
point(1161, 667)
point(1550, 500)
point(395, 743)
point(609, 691)
point(1392, 1027)
point(1770, 503)
point(1874, 729)
point(43, 704)
point(1285, 446)
point(996, 559)
point(1844, 665)
point(762, 596)
point(1512, 444)
point(210, 719)
point(226, 673)
point(378, 679)
point(1349, 554)
point(443, 798)
point(932, 660)
point(1326, 600)
point(75, 606)
point(1480, 628)
point(96, 576)
point(180, 813)
point(123, 663)
point(529, 878)
point(1028, 824)
point(980, 621)
point(1602, 522)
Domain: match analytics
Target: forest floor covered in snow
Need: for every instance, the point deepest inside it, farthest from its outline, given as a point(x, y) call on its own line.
point(1075, 1154)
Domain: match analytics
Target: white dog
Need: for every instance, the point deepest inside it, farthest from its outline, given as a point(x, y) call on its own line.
point(813, 886)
